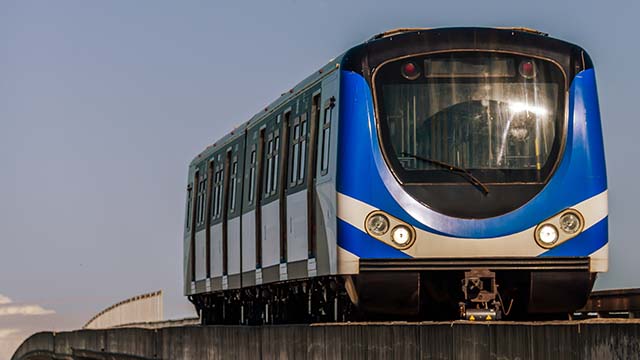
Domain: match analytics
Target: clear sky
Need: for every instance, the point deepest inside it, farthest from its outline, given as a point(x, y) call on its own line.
point(104, 103)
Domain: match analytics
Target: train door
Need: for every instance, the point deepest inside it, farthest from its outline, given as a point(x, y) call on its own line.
point(207, 225)
point(216, 251)
point(200, 184)
point(259, 183)
point(191, 224)
point(326, 259)
point(311, 184)
point(297, 243)
point(225, 220)
point(282, 184)
point(270, 210)
point(233, 220)
point(248, 230)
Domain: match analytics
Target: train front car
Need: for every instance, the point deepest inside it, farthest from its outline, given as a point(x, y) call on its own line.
point(471, 174)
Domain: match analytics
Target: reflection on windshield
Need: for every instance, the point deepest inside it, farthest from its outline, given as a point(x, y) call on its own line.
point(491, 126)
point(498, 115)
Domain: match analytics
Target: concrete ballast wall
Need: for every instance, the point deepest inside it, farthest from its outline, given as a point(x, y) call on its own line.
point(457, 340)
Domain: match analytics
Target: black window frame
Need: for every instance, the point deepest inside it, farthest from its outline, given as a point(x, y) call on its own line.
point(325, 151)
point(233, 188)
point(252, 174)
point(189, 202)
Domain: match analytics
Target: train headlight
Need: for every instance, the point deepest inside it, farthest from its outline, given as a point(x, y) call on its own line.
point(401, 235)
point(570, 223)
point(556, 230)
point(378, 224)
point(390, 230)
point(547, 234)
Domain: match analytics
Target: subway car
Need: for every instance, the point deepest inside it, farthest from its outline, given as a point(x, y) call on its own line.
point(423, 174)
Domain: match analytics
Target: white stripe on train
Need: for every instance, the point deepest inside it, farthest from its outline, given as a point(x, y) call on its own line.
point(522, 243)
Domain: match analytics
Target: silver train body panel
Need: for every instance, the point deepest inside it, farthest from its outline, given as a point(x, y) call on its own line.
point(201, 256)
point(248, 241)
point(297, 248)
point(216, 250)
point(234, 246)
point(270, 234)
point(241, 231)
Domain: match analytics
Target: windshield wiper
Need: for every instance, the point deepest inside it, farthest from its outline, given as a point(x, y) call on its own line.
point(454, 169)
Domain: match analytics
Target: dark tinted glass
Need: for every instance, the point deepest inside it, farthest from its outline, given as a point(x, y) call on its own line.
point(497, 115)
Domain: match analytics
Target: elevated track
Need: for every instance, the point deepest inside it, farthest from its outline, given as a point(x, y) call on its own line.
point(599, 337)
point(585, 339)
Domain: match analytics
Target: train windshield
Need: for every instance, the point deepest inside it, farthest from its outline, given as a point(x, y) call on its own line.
point(499, 116)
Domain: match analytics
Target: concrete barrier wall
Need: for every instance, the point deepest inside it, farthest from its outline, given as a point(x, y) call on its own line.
point(43, 341)
point(457, 340)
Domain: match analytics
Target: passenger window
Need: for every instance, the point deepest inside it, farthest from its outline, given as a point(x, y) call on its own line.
point(299, 158)
point(217, 193)
point(209, 195)
point(267, 188)
point(326, 136)
point(200, 200)
point(220, 184)
point(296, 153)
point(303, 149)
point(252, 176)
point(189, 191)
point(274, 165)
point(234, 176)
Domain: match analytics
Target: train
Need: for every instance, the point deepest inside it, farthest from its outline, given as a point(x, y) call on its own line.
point(448, 173)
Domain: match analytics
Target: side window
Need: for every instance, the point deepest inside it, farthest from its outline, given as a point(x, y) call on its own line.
point(200, 200)
point(326, 136)
point(234, 182)
point(189, 194)
point(209, 195)
point(217, 192)
point(269, 166)
point(252, 175)
point(274, 165)
point(303, 148)
point(220, 184)
point(295, 159)
point(299, 149)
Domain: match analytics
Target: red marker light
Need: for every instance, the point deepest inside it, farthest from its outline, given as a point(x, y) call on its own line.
point(410, 71)
point(410, 68)
point(527, 70)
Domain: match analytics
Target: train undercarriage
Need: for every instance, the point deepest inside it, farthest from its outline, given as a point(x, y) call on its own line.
point(384, 291)
point(322, 299)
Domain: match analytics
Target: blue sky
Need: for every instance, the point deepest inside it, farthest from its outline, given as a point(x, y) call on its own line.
point(103, 104)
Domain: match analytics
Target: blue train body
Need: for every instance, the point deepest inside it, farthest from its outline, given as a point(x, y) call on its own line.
point(581, 176)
